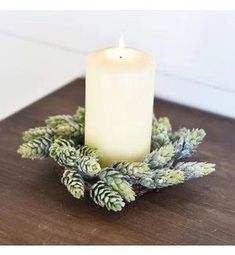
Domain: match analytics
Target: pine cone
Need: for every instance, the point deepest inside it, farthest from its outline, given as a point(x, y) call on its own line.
point(58, 143)
point(88, 165)
point(193, 170)
point(116, 180)
point(105, 196)
point(56, 120)
point(133, 170)
point(79, 116)
point(186, 141)
point(70, 129)
point(161, 157)
point(33, 133)
point(168, 177)
point(161, 132)
point(88, 151)
point(35, 149)
point(74, 183)
point(162, 178)
point(66, 156)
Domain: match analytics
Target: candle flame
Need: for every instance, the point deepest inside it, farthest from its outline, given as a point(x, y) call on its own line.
point(121, 46)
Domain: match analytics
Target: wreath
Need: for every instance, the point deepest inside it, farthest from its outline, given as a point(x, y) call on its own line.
point(62, 139)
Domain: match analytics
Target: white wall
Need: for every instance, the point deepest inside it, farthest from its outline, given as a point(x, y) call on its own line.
point(40, 51)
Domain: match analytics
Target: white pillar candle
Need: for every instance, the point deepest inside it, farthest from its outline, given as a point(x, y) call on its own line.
point(119, 103)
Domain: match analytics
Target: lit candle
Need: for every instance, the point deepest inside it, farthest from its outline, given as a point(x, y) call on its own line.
point(119, 103)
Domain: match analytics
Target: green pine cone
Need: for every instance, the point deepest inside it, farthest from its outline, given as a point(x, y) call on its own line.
point(35, 149)
point(148, 181)
point(79, 116)
point(193, 170)
point(88, 165)
point(70, 129)
point(56, 120)
point(161, 157)
point(168, 177)
point(163, 178)
point(133, 170)
point(58, 143)
point(37, 132)
point(116, 180)
point(104, 196)
point(186, 141)
point(66, 157)
point(88, 151)
point(161, 132)
point(74, 183)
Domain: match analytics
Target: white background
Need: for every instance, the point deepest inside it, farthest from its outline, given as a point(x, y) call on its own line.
point(40, 51)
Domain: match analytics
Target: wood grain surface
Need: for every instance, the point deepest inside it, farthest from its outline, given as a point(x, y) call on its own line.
point(35, 207)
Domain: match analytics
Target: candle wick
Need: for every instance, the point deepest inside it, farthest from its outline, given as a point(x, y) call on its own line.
point(120, 56)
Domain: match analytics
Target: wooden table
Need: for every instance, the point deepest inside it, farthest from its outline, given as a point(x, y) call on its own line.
point(35, 208)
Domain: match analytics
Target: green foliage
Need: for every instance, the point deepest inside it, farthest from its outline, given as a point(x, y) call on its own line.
point(56, 120)
point(168, 177)
point(161, 157)
point(36, 149)
point(58, 144)
point(74, 183)
point(88, 151)
point(66, 156)
point(70, 130)
point(88, 165)
point(79, 116)
point(37, 132)
point(186, 141)
point(133, 170)
point(163, 178)
point(62, 140)
point(116, 180)
point(193, 170)
point(104, 196)
point(161, 132)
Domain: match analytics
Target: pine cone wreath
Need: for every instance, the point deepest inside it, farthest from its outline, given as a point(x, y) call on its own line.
point(62, 139)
